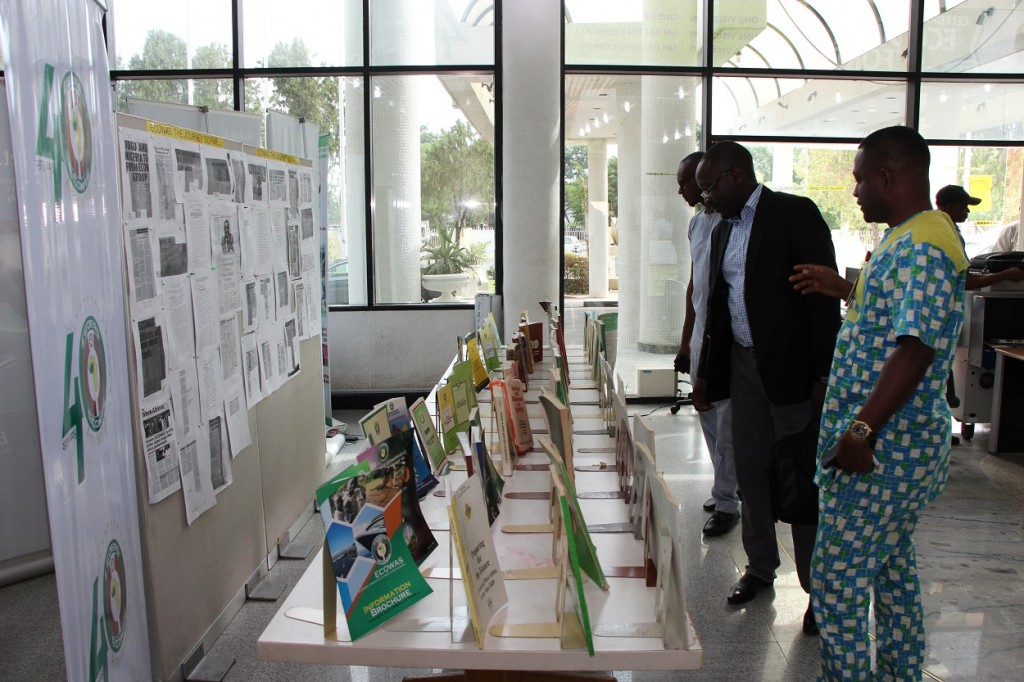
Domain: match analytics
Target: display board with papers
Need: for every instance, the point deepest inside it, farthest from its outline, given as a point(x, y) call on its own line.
point(221, 277)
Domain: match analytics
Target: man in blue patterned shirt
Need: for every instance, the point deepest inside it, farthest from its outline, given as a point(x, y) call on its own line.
point(883, 451)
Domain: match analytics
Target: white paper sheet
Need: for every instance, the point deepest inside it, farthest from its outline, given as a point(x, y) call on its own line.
point(208, 367)
point(181, 336)
point(184, 385)
point(160, 448)
point(197, 229)
point(236, 413)
point(230, 348)
point(251, 370)
point(205, 310)
point(196, 486)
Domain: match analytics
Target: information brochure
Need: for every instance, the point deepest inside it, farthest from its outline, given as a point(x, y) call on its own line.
point(376, 535)
point(391, 468)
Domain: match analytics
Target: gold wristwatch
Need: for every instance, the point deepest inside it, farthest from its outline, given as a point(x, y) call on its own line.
point(862, 431)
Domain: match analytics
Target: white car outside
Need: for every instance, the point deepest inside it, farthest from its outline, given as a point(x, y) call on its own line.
point(574, 245)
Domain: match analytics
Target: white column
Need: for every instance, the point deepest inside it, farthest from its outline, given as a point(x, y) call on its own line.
point(664, 248)
point(782, 168)
point(353, 198)
point(628, 265)
point(396, 221)
point(532, 139)
point(597, 216)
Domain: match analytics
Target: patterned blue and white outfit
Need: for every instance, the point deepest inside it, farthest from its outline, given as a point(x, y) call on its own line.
point(912, 285)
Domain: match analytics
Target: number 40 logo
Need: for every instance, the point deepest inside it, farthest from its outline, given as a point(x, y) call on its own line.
point(66, 141)
point(84, 394)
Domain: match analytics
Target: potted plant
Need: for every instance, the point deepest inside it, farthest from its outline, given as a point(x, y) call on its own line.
point(446, 264)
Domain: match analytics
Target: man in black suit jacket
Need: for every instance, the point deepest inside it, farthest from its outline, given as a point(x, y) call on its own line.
point(765, 346)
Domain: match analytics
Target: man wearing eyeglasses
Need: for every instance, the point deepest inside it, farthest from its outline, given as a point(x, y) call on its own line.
point(717, 423)
point(765, 346)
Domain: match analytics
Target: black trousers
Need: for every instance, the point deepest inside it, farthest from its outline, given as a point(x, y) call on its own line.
point(756, 424)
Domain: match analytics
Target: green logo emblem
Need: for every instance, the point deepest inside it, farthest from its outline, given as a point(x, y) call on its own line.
point(76, 131)
point(115, 598)
point(92, 369)
point(381, 549)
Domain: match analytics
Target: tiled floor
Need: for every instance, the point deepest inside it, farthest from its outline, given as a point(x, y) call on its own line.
point(969, 549)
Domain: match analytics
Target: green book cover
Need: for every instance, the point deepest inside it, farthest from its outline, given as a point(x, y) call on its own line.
point(366, 531)
point(449, 425)
point(424, 426)
point(463, 390)
point(586, 552)
point(574, 577)
point(490, 346)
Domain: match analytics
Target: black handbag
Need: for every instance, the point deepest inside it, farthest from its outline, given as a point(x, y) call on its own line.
point(791, 476)
point(997, 261)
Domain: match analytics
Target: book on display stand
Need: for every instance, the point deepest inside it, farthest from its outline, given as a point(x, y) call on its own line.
point(375, 538)
point(473, 546)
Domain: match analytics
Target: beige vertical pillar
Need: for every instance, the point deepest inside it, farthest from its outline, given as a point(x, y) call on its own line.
point(628, 225)
point(531, 151)
point(597, 216)
point(664, 248)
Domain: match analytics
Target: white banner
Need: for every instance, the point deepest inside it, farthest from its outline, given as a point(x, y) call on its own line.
point(65, 163)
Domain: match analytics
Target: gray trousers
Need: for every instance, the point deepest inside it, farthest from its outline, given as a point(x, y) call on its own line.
point(717, 428)
point(757, 424)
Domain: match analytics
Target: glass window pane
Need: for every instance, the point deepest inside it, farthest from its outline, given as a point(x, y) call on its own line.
point(425, 33)
point(663, 33)
point(215, 93)
point(823, 173)
point(317, 99)
point(798, 107)
point(795, 34)
point(624, 222)
point(433, 174)
point(196, 35)
point(302, 33)
point(979, 110)
point(969, 37)
point(992, 174)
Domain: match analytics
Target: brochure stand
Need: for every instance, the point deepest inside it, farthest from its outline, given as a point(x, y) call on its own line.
point(556, 625)
point(663, 546)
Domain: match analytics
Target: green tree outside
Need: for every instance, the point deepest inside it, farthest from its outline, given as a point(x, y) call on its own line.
point(457, 178)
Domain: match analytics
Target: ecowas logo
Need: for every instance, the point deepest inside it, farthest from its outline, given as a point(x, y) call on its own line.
point(115, 604)
point(92, 367)
point(109, 611)
point(76, 131)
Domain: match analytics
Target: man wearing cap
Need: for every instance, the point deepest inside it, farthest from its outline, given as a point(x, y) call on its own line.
point(953, 200)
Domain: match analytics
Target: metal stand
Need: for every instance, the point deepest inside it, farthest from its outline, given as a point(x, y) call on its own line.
point(286, 549)
point(265, 590)
point(683, 401)
point(200, 668)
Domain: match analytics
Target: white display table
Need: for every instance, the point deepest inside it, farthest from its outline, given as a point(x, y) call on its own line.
point(530, 601)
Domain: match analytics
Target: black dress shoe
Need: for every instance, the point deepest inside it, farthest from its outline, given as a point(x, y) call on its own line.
point(709, 506)
point(746, 588)
point(810, 626)
point(720, 523)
